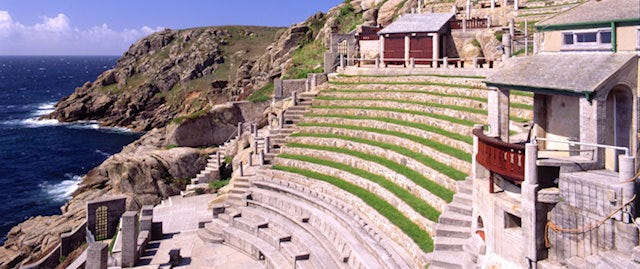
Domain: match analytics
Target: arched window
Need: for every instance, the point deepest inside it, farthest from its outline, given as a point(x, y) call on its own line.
point(343, 47)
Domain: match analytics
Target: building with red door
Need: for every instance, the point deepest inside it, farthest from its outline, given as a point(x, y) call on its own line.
point(421, 37)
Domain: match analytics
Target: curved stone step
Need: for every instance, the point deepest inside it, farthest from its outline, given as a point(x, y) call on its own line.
point(322, 253)
point(443, 243)
point(451, 260)
point(334, 228)
point(409, 118)
point(475, 117)
point(428, 172)
point(476, 92)
point(374, 188)
point(474, 82)
point(366, 224)
point(257, 249)
point(439, 156)
point(423, 96)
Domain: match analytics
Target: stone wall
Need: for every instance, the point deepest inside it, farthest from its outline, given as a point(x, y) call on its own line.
point(73, 239)
point(284, 88)
point(586, 198)
point(116, 206)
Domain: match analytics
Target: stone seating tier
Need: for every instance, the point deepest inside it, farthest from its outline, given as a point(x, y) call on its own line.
point(428, 172)
point(398, 141)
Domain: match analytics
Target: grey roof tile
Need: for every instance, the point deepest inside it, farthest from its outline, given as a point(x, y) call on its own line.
point(571, 72)
point(597, 10)
point(412, 23)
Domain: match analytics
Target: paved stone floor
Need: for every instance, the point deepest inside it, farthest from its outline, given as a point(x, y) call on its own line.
point(180, 218)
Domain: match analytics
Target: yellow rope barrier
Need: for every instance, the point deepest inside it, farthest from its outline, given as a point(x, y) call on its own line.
point(584, 229)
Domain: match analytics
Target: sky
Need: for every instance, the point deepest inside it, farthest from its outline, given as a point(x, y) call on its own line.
point(91, 27)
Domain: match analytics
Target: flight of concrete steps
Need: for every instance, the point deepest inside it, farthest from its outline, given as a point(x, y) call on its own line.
point(535, 11)
point(453, 246)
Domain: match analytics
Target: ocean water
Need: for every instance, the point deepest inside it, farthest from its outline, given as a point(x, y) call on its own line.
point(42, 161)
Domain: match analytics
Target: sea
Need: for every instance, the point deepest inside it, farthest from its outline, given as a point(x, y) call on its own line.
point(42, 161)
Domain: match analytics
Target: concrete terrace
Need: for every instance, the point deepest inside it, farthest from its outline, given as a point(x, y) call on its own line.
point(368, 172)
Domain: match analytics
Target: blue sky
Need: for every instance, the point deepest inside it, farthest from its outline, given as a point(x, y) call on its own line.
point(89, 27)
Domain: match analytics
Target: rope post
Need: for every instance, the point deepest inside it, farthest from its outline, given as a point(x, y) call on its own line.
point(251, 158)
point(241, 169)
point(294, 98)
point(239, 129)
point(626, 175)
point(267, 144)
point(281, 120)
point(218, 158)
point(262, 157)
point(255, 145)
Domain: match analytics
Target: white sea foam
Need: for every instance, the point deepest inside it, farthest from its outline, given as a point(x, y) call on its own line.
point(62, 191)
point(103, 153)
point(44, 109)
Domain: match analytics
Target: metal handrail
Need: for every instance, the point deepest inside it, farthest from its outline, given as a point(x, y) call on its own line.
point(573, 143)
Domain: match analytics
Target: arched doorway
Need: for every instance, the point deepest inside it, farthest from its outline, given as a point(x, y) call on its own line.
point(619, 111)
point(480, 229)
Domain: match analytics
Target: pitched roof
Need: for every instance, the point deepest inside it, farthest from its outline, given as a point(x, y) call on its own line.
point(596, 11)
point(418, 23)
point(567, 72)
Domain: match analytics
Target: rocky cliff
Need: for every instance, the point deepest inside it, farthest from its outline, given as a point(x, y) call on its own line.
point(176, 85)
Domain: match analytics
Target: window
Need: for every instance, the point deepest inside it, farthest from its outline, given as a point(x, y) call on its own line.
point(512, 221)
point(598, 39)
point(568, 39)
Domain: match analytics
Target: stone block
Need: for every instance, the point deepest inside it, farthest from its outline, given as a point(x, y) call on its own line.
point(174, 257)
point(145, 223)
point(97, 256)
point(147, 210)
point(129, 234)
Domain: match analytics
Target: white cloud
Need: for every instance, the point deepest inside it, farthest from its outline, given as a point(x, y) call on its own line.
point(57, 36)
point(58, 24)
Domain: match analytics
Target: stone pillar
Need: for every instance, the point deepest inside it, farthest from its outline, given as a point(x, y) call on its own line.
point(445, 62)
point(468, 9)
point(498, 116)
point(341, 61)
point(512, 29)
point(262, 157)
point(255, 146)
point(530, 223)
point(281, 119)
point(515, 5)
point(478, 171)
point(250, 158)
point(407, 49)
point(493, 5)
point(506, 44)
point(626, 168)
point(239, 129)
point(377, 62)
point(252, 128)
point(294, 98)
point(129, 222)
point(412, 62)
point(436, 48)
point(278, 88)
point(475, 61)
point(97, 256)
point(382, 49)
point(255, 130)
point(464, 25)
point(218, 158)
point(241, 169)
point(267, 144)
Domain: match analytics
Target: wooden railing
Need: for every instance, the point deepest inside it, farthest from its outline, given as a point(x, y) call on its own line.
point(504, 159)
point(473, 23)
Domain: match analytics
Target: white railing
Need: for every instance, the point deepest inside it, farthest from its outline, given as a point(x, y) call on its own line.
point(476, 62)
point(627, 152)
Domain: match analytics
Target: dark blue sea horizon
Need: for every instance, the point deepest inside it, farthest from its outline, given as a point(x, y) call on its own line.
point(42, 161)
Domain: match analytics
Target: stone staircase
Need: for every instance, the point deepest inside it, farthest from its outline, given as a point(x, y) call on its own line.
point(453, 246)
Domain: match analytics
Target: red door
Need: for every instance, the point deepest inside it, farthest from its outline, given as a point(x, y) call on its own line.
point(394, 50)
point(421, 48)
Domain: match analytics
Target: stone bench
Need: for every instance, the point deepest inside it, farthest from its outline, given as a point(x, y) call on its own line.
point(376, 189)
point(428, 172)
point(475, 82)
point(424, 96)
point(475, 117)
point(442, 157)
point(438, 123)
point(351, 212)
point(258, 249)
point(331, 235)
